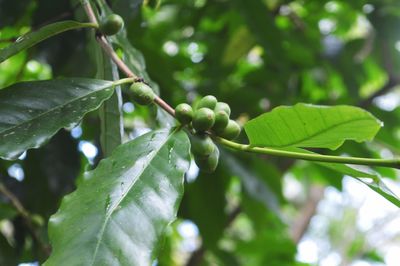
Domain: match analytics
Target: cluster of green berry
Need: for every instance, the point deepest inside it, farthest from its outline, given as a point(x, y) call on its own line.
point(208, 117)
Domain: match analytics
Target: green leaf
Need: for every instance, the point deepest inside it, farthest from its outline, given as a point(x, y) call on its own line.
point(32, 112)
point(370, 178)
point(119, 213)
point(30, 39)
point(312, 126)
point(112, 128)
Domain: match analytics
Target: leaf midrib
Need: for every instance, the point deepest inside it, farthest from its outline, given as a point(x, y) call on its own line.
point(317, 133)
point(108, 216)
point(53, 109)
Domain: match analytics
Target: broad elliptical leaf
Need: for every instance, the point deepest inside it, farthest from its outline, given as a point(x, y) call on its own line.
point(32, 112)
point(311, 126)
point(119, 213)
point(292, 128)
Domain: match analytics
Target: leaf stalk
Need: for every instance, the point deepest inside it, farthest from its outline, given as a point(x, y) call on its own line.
point(392, 163)
point(123, 81)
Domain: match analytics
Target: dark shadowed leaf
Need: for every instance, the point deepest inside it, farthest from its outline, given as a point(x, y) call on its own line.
point(205, 203)
point(118, 214)
point(8, 255)
point(32, 112)
point(112, 128)
point(32, 38)
point(50, 173)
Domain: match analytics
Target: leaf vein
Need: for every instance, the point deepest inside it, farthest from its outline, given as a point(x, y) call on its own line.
point(108, 216)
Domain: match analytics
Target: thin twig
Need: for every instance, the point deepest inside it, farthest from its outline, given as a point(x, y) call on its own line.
point(26, 217)
point(89, 11)
point(106, 46)
point(14, 201)
point(114, 57)
point(160, 102)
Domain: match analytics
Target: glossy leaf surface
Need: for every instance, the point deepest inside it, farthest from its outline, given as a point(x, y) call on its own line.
point(32, 112)
point(32, 38)
point(118, 214)
point(312, 126)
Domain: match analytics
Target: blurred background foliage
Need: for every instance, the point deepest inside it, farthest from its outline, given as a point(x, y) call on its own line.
point(254, 55)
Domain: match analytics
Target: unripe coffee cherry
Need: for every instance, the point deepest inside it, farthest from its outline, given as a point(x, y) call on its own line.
point(221, 121)
point(231, 131)
point(111, 25)
point(208, 101)
point(184, 113)
point(221, 106)
point(210, 163)
point(142, 93)
point(203, 119)
point(201, 145)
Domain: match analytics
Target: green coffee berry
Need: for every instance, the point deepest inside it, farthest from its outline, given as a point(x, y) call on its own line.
point(202, 145)
point(203, 119)
point(221, 106)
point(184, 113)
point(208, 101)
point(231, 131)
point(111, 25)
point(210, 163)
point(142, 93)
point(221, 121)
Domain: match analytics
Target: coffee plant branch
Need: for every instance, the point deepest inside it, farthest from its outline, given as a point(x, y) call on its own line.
point(106, 46)
point(101, 39)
